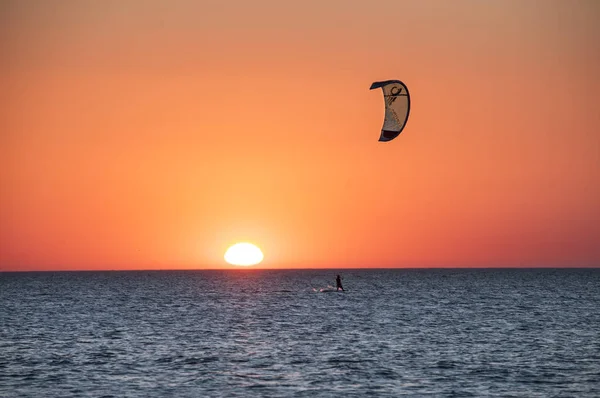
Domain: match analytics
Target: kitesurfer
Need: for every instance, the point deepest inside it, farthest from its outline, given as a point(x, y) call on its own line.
point(338, 282)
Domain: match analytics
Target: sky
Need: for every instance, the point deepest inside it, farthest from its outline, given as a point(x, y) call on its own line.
point(146, 134)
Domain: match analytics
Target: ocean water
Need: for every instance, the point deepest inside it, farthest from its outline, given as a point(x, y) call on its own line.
point(502, 332)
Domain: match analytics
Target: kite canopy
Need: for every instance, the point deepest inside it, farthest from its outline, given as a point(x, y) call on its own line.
point(397, 107)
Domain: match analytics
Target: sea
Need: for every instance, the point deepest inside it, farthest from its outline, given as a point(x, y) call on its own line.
point(289, 333)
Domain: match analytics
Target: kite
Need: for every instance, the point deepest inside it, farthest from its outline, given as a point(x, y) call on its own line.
point(397, 108)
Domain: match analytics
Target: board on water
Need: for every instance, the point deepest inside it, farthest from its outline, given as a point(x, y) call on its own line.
point(328, 289)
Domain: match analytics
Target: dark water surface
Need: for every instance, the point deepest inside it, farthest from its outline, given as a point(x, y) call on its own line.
point(529, 333)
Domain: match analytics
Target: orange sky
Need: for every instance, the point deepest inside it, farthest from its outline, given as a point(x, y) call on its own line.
point(154, 134)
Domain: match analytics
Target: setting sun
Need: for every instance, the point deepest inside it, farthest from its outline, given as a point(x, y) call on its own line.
point(243, 254)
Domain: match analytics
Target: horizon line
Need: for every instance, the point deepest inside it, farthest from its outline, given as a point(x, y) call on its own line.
point(251, 268)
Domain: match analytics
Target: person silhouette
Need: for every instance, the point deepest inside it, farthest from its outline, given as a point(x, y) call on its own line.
point(338, 282)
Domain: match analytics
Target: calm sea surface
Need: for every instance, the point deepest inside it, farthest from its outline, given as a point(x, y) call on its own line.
point(528, 333)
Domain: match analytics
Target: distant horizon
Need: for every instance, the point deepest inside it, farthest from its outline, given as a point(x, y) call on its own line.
point(253, 268)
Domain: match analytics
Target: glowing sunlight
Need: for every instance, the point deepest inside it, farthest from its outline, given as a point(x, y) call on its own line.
point(244, 254)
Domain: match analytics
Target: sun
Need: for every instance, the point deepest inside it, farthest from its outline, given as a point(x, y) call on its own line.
point(243, 254)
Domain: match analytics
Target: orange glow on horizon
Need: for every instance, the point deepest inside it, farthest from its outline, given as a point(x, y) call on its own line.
point(139, 136)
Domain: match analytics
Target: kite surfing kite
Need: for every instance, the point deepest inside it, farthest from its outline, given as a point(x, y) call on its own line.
point(397, 108)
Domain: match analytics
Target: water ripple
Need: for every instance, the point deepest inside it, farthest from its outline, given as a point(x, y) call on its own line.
point(509, 333)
